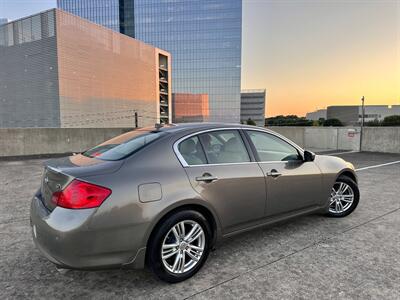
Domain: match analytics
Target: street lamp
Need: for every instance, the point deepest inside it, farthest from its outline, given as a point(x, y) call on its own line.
point(362, 121)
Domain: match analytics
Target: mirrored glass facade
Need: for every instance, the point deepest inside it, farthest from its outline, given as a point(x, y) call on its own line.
point(203, 37)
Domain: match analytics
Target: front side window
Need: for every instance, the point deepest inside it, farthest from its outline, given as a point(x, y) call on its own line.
point(272, 148)
point(225, 146)
point(124, 145)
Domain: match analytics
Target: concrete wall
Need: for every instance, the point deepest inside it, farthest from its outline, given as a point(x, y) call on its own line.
point(375, 139)
point(322, 138)
point(381, 139)
point(295, 133)
point(38, 141)
point(35, 141)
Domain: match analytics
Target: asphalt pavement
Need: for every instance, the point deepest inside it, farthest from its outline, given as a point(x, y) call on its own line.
point(311, 257)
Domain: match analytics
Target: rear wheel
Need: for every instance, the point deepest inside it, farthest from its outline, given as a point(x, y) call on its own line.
point(344, 197)
point(180, 246)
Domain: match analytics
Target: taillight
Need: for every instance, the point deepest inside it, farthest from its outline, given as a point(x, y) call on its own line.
point(79, 194)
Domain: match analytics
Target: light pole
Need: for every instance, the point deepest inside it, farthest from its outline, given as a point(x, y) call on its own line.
point(136, 119)
point(362, 121)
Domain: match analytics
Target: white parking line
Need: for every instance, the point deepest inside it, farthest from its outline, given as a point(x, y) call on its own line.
point(338, 153)
point(378, 166)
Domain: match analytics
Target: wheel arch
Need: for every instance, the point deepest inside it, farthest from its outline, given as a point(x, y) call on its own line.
point(203, 209)
point(349, 173)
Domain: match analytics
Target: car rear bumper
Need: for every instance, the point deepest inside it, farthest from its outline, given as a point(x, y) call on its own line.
point(65, 238)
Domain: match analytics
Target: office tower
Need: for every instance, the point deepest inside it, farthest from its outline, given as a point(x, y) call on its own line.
point(203, 37)
point(59, 70)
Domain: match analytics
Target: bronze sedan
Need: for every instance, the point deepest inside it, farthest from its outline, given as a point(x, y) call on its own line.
point(162, 197)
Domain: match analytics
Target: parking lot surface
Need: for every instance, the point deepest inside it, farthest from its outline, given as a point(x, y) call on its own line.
point(311, 257)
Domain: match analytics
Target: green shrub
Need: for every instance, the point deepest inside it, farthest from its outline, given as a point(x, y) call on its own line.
point(332, 122)
point(251, 122)
point(391, 121)
point(290, 120)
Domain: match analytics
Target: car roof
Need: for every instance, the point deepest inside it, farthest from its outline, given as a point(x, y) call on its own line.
point(179, 127)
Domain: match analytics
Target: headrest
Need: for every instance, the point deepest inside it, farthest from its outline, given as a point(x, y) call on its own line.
point(187, 147)
point(232, 145)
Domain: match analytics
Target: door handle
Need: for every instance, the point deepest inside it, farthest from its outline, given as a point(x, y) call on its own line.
point(274, 173)
point(207, 178)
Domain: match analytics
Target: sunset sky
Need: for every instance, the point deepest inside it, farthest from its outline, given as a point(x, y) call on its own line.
point(308, 54)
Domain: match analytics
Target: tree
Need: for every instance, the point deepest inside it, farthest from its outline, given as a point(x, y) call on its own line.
point(332, 122)
point(251, 122)
point(391, 121)
point(290, 120)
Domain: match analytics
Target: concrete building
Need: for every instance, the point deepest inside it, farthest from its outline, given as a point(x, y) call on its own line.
point(316, 115)
point(59, 70)
point(4, 21)
point(352, 114)
point(203, 36)
point(252, 106)
point(190, 108)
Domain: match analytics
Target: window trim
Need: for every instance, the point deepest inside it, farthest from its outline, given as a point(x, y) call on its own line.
point(299, 150)
point(248, 144)
point(186, 165)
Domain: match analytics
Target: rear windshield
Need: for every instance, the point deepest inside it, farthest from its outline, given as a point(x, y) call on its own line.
point(124, 145)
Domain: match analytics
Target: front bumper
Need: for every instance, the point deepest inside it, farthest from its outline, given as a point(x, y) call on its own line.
point(65, 238)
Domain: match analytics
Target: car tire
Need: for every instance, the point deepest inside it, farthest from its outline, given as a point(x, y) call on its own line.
point(350, 189)
point(164, 237)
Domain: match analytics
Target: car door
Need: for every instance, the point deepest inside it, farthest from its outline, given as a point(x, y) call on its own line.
point(291, 183)
point(221, 169)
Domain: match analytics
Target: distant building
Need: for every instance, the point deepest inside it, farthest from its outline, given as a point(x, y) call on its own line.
point(352, 114)
point(252, 106)
point(4, 21)
point(58, 70)
point(316, 115)
point(190, 108)
point(203, 36)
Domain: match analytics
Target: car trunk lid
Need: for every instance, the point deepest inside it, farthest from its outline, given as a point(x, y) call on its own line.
point(58, 173)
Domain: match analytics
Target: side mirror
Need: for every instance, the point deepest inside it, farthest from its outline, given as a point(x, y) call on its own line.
point(308, 156)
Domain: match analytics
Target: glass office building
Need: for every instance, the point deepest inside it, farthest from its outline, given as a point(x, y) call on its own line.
point(203, 37)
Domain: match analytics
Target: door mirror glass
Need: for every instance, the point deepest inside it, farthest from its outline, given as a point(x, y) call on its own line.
point(308, 155)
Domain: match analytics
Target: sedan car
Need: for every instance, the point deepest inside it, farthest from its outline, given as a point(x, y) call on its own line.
point(163, 196)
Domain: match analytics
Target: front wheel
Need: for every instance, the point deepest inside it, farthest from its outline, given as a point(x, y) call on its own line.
point(344, 198)
point(180, 246)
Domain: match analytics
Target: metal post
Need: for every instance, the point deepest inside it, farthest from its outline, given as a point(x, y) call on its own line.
point(362, 122)
point(136, 119)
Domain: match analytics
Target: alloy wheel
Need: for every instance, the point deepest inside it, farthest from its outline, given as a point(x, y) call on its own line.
point(183, 247)
point(342, 197)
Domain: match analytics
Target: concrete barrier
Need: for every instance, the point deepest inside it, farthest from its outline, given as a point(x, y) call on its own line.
point(43, 141)
point(294, 133)
point(381, 139)
point(322, 138)
point(375, 139)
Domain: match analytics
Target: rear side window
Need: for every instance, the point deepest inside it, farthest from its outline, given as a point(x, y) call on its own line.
point(225, 146)
point(124, 145)
point(192, 151)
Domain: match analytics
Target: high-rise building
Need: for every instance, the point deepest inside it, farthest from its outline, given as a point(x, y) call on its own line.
point(203, 36)
point(3, 21)
point(59, 70)
point(253, 106)
point(190, 108)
